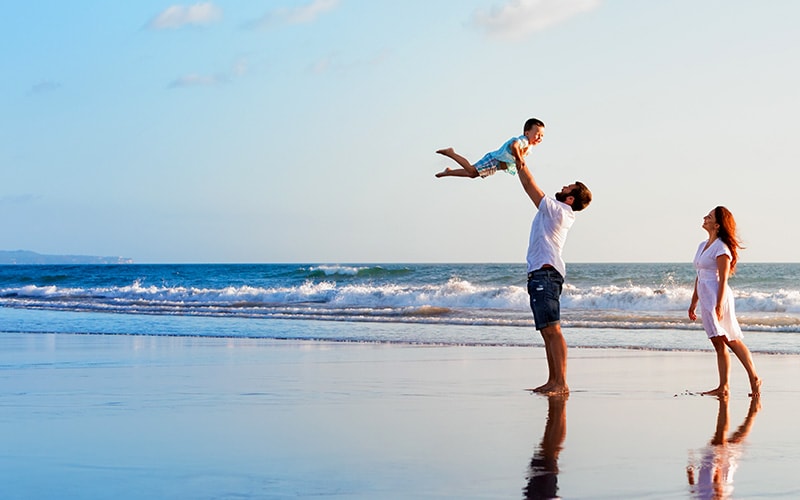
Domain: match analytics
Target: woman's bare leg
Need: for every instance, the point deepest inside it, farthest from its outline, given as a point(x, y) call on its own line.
point(723, 365)
point(743, 353)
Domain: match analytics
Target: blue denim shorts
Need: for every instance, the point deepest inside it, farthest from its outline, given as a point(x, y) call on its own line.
point(544, 290)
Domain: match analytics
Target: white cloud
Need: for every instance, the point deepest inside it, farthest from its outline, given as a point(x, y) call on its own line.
point(309, 13)
point(299, 15)
point(177, 16)
point(238, 70)
point(332, 62)
point(19, 199)
point(44, 87)
point(518, 18)
point(195, 80)
point(240, 67)
point(322, 65)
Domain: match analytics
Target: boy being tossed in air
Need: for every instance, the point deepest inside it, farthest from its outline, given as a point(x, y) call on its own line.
point(508, 157)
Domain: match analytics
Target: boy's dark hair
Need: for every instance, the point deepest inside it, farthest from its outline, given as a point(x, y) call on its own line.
point(582, 196)
point(532, 122)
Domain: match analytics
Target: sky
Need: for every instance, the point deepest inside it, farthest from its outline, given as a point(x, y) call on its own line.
point(306, 131)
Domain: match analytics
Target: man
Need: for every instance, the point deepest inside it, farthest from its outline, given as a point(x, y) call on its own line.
point(546, 269)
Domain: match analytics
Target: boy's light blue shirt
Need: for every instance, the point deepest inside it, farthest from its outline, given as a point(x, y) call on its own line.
point(504, 153)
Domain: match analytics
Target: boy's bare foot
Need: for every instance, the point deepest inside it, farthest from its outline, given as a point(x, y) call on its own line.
point(445, 172)
point(719, 391)
point(445, 151)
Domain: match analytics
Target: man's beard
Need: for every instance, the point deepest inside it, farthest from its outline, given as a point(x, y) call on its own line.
point(562, 197)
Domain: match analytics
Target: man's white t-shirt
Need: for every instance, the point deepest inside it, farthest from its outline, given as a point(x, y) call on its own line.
point(548, 235)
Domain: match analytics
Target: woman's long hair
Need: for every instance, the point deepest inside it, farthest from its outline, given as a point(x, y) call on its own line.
point(727, 233)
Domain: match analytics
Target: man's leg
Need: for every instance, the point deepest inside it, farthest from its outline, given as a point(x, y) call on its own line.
point(544, 290)
point(556, 350)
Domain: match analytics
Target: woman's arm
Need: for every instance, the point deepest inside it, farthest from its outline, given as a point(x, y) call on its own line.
point(693, 305)
point(723, 269)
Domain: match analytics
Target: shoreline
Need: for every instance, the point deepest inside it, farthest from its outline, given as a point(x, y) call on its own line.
point(197, 417)
point(657, 340)
point(34, 321)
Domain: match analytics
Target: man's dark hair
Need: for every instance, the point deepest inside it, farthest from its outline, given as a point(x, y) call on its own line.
point(581, 196)
point(532, 122)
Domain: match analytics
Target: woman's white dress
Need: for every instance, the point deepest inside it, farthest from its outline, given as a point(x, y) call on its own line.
point(705, 262)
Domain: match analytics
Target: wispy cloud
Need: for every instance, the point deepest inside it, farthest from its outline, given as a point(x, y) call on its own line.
point(44, 87)
point(240, 67)
point(19, 199)
point(516, 19)
point(332, 63)
point(238, 70)
point(196, 80)
point(298, 15)
point(177, 16)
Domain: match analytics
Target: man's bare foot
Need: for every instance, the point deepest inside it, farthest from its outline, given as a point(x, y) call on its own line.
point(551, 389)
point(755, 388)
point(445, 172)
point(446, 152)
point(719, 391)
point(557, 391)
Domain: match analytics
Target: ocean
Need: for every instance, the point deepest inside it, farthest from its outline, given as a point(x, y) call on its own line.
point(603, 305)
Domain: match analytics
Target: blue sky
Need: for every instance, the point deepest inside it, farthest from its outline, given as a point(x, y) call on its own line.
point(305, 131)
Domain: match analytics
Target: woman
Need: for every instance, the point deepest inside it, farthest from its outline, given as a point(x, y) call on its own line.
point(715, 261)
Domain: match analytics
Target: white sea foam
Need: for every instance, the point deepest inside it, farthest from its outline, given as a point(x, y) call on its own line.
point(455, 300)
point(453, 293)
point(630, 298)
point(332, 270)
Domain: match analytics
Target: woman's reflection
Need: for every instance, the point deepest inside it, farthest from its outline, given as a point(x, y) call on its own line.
point(543, 469)
point(710, 471)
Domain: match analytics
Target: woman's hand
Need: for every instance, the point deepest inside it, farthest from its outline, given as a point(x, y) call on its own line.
point(692, 315)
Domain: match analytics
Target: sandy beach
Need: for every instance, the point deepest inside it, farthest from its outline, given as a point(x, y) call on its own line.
point(93, 416)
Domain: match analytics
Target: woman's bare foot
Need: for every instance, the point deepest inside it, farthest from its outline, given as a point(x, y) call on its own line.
point(755, 388)
point(445, 172)
point(719, 391)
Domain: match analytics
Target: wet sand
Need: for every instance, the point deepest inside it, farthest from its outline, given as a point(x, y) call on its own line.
point(89, 416)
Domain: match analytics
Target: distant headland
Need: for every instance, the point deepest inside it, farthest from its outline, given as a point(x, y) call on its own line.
point(27, 257)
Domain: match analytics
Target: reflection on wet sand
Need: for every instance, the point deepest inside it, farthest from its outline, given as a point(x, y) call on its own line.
point(710, 471)
point(543, 468)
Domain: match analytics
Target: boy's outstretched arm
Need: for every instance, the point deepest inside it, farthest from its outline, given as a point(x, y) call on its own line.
point(533, 190)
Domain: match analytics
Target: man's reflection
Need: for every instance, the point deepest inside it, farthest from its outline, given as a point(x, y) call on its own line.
point(710, 471)
point(543, 469)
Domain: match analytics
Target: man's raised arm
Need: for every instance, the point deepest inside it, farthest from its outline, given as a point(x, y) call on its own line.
point(529, 184)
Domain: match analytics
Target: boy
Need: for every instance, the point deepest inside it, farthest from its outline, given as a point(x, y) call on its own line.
point(508, 157)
